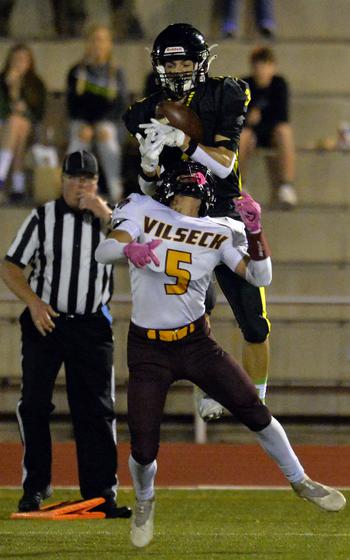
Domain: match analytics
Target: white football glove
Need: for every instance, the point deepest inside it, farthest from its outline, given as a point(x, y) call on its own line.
point(164, 133)
point(150, 152)
point(209, 409)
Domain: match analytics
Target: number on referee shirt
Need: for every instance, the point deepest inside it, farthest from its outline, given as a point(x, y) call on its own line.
point(172, 268)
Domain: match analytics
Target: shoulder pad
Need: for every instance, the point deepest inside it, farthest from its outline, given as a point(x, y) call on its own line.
point(234, 86)
point(234, 225)
point(130, 208)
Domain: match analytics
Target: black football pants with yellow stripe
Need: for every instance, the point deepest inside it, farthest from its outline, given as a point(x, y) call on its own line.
point(247, 303)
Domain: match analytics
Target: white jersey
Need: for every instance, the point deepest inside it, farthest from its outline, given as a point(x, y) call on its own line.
point(173, 294)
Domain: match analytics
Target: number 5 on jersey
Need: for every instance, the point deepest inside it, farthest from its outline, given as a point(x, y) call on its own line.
point(172, 268)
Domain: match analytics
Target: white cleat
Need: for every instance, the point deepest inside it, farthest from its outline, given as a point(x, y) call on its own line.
point(142, 523)
point(322, 496)
point(208, 409)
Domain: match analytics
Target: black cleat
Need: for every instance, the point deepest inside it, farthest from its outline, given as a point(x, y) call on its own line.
point(112, 511)
point(31, 501)
point(123, 512)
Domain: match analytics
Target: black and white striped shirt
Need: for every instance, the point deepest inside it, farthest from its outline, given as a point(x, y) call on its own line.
point(60, 246)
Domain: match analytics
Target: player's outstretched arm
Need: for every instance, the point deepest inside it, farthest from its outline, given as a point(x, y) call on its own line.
point(112, 249)
point(120, 244)
point(257, 269)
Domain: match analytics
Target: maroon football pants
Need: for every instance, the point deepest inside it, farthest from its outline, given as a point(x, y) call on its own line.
point(154, 365)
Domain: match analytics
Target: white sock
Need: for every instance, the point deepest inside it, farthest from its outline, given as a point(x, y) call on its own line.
point(261, 389)
point(6, 157)
point(18, 182)
point(274, 440)
point(143, 478)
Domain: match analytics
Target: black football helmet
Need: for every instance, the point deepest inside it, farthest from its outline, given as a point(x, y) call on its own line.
point(188, 178)
point(180, 41)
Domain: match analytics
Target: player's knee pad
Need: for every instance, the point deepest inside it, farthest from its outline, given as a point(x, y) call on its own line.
point(256, 331)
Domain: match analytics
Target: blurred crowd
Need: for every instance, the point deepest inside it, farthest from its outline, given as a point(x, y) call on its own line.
point(97, 95)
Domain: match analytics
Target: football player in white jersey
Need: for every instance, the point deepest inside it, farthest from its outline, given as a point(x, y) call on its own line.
point(172, 248)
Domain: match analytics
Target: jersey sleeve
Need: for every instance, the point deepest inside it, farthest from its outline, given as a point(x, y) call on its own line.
point(128, 215)
point(237, 231)
point(231, 255)
point(233, 103)
point(25, 243)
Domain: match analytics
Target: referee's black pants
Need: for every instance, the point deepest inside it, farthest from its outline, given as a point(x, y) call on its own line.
point(85, 346)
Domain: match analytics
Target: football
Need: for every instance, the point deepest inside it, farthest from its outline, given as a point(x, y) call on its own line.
point(182, 117)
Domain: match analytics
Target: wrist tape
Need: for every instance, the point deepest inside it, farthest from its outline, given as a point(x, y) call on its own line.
point(258, 247)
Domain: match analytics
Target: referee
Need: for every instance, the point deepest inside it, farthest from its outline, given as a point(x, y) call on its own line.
point(66, 321)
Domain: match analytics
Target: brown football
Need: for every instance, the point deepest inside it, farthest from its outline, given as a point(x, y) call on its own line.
point(181, 117)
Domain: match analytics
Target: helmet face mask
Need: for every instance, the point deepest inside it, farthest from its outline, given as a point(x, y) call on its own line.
point(180, 41)
point(178, 83)
point(187, 179)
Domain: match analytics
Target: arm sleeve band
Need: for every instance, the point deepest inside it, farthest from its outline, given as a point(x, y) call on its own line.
point(127, 225)
point(259, 273)
point(258, 247)
point(217, 168)
point(109, 251)
point(146, 186)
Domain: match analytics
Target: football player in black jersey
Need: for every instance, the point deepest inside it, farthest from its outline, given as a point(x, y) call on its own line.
point(181, 60)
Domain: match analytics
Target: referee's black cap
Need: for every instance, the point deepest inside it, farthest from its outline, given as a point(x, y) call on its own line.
point(80, 163)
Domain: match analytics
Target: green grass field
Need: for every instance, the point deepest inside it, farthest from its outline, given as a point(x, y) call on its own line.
point(194, 525)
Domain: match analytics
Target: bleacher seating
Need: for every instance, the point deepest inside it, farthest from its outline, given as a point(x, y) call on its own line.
point(309, 298)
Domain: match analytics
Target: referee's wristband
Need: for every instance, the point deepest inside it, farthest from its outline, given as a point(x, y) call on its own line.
point(192, 146)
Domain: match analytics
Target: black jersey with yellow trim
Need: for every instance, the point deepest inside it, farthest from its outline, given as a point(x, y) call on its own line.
point(221, 104)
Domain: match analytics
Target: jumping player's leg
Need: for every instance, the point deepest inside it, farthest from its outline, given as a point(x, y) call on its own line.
point(249, 307)
point(208, 408)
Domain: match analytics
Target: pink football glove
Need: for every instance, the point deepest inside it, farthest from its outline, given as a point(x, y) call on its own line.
point(250, 212)
point(141, 254)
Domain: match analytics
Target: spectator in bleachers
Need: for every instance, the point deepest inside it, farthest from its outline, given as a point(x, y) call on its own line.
point(5, 14)
point(69, 17)
point(126, 24)
point(96, 99)
point(264, 17)
point(22, 105)
point(267, 122)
